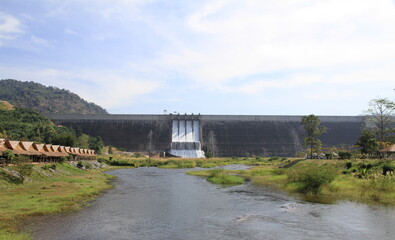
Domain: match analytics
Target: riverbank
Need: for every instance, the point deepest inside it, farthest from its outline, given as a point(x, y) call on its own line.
point(153, 203)
point(326, 181)
point(54, 188)
point(35, 190)
point(181, 163)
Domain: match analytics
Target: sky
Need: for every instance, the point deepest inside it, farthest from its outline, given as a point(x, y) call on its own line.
point(247, 57)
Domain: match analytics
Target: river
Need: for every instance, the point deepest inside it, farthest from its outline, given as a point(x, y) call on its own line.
point(153, 203)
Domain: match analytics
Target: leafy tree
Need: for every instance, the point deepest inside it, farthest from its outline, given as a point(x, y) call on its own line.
point(83, 141)
point(96, 144)
point(380, 117)
point(311, 124)
point(368, 143)
point(9, 156)
point(110, 151)
point(64, 139)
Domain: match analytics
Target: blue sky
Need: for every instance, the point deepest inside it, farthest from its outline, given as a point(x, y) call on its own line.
point(261, 57)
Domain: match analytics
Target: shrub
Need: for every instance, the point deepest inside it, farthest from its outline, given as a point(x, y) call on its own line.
point(209, 154)
point(25, 170)
point(9, 156)
point(363, 156)
point(312, 177)
point(20, 159)
point(62, 159)
point(349, 165)
point(49, 166)
point(274, 158)
point(80, 165)
point(278, 171)
point(117, 162)
point(101, 160)
point(185, 164)
point(345, 155)
point(208, 165)
point(328, 155)
point(388, 168)
point(10, 178)
point(88, 165)
point(218, 176)
point(137, 155)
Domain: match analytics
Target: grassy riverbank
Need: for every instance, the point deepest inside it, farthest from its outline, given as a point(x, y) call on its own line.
point(34, 190)
point(219, 176)
point(178, 163)
point(366, 181)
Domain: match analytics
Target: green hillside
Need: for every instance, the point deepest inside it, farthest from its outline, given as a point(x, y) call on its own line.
point(45, 99)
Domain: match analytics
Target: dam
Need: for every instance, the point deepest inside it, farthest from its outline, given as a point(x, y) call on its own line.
point(222, 135)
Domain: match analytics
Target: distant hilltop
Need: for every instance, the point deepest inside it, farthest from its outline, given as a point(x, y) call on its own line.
point(48, 100)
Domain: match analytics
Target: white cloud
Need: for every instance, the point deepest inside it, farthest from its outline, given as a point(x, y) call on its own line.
point(71, 32)
point(39, 41)
point(239, 39)
point(9, 27)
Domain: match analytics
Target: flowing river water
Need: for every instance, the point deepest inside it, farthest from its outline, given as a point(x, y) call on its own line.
point(153, 203)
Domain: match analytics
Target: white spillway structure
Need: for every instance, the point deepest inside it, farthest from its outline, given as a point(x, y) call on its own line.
point(185, 141)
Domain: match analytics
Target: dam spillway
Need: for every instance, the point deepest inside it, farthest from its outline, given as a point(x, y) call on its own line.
point(222, 135)
point(185, 139)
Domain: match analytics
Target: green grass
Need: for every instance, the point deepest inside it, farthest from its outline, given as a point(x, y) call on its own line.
point(66, 190)
point(219, 176)
point(322, 180)
point(177, 163)
point(226, 179)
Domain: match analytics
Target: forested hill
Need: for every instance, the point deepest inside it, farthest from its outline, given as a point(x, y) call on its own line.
point(45, 99)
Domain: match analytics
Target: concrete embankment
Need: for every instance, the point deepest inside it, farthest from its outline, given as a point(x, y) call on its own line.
point(222, 135)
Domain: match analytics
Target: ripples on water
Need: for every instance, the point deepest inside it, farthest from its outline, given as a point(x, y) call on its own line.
point(152, 203)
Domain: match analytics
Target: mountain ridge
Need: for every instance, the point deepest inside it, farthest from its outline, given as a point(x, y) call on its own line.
point(48, 100)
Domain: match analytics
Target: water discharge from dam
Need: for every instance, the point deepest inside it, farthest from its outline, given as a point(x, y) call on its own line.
point(185, 141)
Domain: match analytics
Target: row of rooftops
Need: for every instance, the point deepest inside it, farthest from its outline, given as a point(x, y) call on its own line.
point(36, 149)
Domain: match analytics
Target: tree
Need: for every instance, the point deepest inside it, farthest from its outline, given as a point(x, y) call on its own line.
point(96, 144)
point(64, 139)
point(311, 124)
point(380, 117)
point(9, 156)
point(368, 143)
point(83, 141)
point(110, 151)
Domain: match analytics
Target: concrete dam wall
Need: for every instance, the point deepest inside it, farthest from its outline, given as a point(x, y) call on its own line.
point(223, 135)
